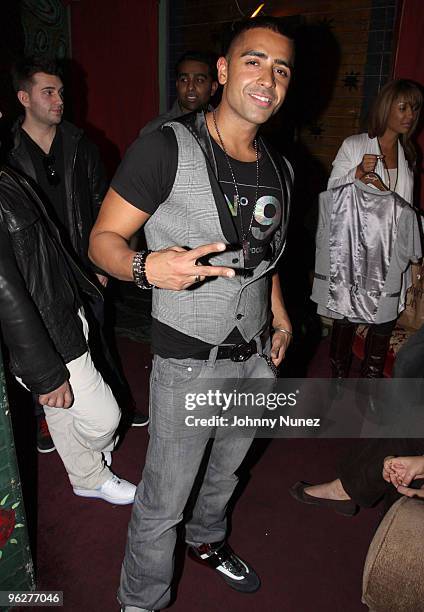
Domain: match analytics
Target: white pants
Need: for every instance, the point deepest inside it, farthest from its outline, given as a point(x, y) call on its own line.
point(82, 432)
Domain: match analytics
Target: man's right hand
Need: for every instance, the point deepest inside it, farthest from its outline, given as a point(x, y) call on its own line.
point(175, 268)
point(62, 397)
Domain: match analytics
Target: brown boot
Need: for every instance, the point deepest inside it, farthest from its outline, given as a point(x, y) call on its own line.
point(342, 337)
point(376, 347)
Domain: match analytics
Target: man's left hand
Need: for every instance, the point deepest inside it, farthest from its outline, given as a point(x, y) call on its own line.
point(103, 280)
point(279, 346)
point(62, 397)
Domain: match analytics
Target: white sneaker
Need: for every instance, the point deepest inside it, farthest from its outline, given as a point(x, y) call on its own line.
point(107, 458)
point(115, 491)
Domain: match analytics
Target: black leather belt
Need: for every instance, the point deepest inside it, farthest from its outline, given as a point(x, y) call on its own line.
point(235, 352)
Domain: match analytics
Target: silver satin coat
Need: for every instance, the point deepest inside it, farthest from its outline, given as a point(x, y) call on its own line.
point(366, 239)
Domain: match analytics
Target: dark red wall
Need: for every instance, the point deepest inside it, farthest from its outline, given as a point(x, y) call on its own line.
point(410, 57)
point(114, 70)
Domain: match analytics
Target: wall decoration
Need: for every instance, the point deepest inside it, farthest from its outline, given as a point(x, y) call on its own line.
point(16, 568)
point(351, 80)
point(8, 524)
point(45, 27)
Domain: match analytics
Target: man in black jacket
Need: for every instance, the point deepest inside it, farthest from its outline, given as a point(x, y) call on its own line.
point(58, 156)
point(44, 328)
point(68, 174)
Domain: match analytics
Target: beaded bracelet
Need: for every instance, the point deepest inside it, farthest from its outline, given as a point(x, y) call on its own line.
point(139, 270)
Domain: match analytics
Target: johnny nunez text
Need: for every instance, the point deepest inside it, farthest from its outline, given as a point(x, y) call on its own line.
point(246, 421)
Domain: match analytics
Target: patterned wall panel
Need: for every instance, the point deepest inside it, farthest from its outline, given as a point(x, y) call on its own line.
point(16, 568)
point(28, 27)
point(45, 27)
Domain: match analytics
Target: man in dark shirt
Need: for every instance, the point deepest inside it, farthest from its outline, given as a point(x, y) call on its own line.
point(195, 83)
point(58, 157)
point(68, 173)
point(43, 326)
point(213, 199)
point(157, 155)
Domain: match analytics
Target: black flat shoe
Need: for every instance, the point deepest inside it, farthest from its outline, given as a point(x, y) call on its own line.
point(238, 574)
point(347, 507)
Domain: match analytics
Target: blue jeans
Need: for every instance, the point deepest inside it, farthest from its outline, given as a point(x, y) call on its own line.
point(173, 458)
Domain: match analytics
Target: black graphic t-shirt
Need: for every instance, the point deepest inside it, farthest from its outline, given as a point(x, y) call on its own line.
point(264, 217)
point(145, 179)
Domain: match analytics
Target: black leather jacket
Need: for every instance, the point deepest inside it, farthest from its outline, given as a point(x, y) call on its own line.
point(39, 286)
point(85, 183)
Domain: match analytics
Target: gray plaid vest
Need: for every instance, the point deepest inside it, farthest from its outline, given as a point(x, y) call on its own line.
point(209, 310)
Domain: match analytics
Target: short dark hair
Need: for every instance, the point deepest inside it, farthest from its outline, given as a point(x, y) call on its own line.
point(24, 70)
point(205, 57)
point(280, 26)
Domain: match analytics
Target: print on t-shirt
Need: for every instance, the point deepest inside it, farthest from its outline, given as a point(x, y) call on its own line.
point(267, 210)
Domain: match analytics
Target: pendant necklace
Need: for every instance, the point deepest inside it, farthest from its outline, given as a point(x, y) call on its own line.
point(244, 234)
point(389, 187)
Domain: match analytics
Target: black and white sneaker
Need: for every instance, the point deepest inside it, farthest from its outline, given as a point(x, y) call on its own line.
point(138, 419)
point(45, 443)
point(220, 557)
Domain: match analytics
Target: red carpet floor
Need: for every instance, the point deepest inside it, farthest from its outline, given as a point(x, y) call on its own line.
point(309, 559)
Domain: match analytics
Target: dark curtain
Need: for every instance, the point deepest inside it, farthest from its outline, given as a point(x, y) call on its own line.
point(114, 71)
point(410, 60)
